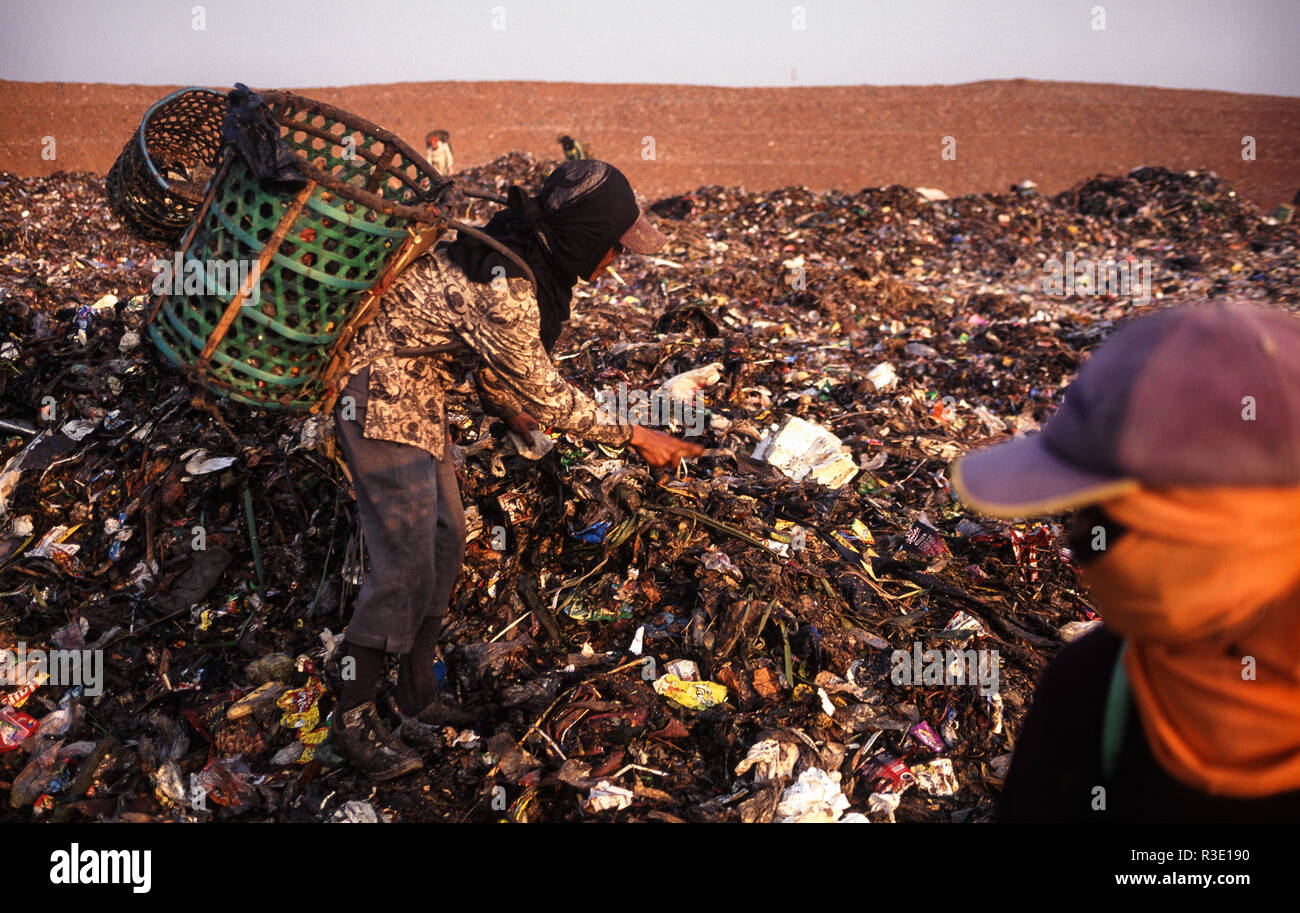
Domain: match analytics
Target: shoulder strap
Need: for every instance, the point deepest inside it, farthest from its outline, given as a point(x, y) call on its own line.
point(1115, 722)
point(418, 240)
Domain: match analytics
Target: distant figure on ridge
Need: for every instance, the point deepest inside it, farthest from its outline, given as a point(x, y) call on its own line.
point(438, 151)
point(573, 150)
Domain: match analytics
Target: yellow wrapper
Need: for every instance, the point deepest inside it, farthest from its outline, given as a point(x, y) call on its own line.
point(696, 695)
point(305, 720)
point(313, 736)
point(299, 699)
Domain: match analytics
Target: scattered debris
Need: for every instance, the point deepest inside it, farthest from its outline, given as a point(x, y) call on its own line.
point(815, 798)
point(714, 646)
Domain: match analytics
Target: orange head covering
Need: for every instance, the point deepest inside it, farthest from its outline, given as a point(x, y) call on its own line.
point(1206, 586)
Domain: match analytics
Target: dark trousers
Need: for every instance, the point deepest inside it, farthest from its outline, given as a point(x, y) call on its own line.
point(1057, 766)
point(414, 528)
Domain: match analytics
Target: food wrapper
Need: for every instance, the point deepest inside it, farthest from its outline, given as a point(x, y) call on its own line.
point(28, 678)
point(298, 700)
point(925, 540)
point(606, 795)
point(684, 669)
point(937, 777)
point(925, 735)
point(15, 727)
point(309, 749)
point(578, 611)
point(308, 719)
point(301, 706)
point(695, 695)
point(17, 698)
point(1026, 545)
point(887, 774)
point(314, 736)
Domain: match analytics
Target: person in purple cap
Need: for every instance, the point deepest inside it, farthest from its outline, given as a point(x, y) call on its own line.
point(1178, 449)
point(468, 298)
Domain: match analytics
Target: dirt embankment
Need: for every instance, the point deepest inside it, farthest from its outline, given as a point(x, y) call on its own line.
point(841, 138)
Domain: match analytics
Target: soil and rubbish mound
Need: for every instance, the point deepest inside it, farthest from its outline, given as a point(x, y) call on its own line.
point(802, 625)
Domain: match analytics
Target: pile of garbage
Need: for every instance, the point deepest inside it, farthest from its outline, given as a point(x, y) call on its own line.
point(802, 625)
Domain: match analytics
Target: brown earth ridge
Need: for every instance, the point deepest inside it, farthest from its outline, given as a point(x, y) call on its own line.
point(840, 138)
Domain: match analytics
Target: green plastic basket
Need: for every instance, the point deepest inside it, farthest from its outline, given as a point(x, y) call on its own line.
point(321, 256)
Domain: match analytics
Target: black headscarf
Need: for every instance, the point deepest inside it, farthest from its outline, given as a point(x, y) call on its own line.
point(563, 233)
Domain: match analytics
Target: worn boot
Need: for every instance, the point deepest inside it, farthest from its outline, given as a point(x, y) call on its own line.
point(439, 711)
point(361, 737)
point(443, 712)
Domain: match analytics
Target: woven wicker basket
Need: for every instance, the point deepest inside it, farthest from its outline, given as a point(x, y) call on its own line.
point(318, 254)
point(160, 177)
point(323, 258)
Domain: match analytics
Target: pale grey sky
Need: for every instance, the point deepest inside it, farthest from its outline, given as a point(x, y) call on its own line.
point(1232, 45)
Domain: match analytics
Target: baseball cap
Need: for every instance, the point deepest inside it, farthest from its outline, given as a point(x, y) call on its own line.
point(642, 237)
point(1204, 394)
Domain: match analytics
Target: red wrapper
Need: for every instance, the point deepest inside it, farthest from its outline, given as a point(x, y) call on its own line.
point(925, 540)
point(887, 774)
point(15, 727)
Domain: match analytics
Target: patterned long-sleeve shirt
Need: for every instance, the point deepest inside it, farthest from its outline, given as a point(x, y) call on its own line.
point(498, 326)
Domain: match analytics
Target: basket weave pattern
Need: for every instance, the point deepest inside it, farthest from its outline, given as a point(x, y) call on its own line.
point(322, 253)
point(159, 178)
